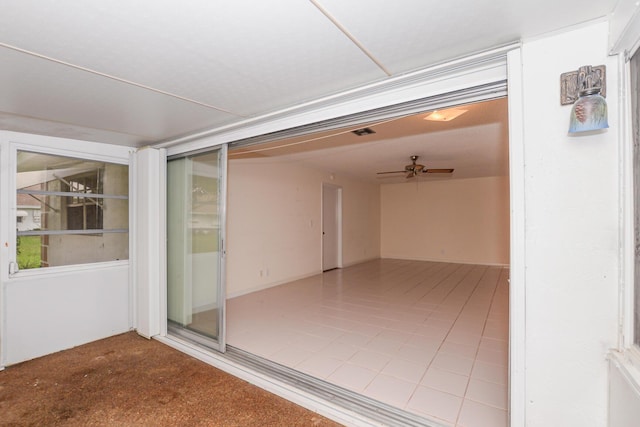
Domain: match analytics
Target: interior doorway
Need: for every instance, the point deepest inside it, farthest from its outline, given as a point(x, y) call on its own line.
point(331, 227)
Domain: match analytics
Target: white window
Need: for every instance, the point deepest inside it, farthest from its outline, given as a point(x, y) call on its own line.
point(84, 210)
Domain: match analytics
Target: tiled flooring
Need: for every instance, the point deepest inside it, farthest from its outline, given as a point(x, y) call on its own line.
point(429, 338)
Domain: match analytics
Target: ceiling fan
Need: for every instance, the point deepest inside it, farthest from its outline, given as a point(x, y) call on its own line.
point(415, 169)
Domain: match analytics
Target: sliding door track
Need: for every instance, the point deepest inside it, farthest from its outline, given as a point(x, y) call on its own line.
point(385, 414)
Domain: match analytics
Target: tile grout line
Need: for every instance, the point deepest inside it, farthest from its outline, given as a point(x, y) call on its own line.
point(495, 288)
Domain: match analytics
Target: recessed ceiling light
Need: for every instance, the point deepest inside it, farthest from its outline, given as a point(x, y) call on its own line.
point(445, 115)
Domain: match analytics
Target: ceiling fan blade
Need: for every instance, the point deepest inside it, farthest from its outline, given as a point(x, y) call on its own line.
point(411, 175)
point(437, 171)
point(382, 173)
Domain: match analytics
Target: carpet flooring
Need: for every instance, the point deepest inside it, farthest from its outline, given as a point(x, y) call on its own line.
point(127, 380)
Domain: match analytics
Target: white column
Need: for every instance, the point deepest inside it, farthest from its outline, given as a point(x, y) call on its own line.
point(149, 248)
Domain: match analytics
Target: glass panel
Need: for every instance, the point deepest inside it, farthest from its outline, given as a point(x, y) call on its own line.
point(70, 211)
point(76, 213)
point(194, 286)
point(635, 118)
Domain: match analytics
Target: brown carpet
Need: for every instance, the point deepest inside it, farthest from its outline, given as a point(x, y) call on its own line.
point(127, 380)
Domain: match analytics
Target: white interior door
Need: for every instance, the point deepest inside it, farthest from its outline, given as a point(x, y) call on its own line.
point(331, 227)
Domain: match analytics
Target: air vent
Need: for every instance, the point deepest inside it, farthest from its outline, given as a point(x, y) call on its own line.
point(363, 131)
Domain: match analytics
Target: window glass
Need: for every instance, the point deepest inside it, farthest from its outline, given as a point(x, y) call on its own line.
point(635, 100)
point(70, 211)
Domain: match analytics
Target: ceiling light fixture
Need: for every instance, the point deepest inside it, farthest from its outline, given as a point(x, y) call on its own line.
point(445, 115)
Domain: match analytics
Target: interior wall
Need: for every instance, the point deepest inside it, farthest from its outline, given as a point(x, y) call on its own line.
point(274, 222)
point(571, 235)
point(462, 220)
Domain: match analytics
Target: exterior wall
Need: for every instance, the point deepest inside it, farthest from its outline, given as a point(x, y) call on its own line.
point(274, 223)
point(571, 245)
point(465, 220)
point(31, 207)
point(31, 221)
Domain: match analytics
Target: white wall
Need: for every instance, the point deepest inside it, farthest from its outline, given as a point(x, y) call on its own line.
point(274, 223)
point(53, 312)
point(462, 220)
point(32, 220)
point(571, 236)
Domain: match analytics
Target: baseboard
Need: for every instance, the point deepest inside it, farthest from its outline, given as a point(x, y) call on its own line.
point(203, 308)
point(447, 260)
point(264, 286)
point(352, 263)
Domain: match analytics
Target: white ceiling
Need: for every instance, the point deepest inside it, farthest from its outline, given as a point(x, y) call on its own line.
point(139, 72)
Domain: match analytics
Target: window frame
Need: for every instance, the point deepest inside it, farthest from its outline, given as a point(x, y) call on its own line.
point(633, 153)
point(93, 155)
point(628, 349)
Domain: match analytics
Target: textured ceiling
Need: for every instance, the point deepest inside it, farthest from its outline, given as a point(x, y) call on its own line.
point(138, 72)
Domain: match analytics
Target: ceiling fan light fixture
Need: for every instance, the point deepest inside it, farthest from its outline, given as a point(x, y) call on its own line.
point(415, 169)
point(445, 115)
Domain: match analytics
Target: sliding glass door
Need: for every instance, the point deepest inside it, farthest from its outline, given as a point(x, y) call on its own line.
point(196, 193)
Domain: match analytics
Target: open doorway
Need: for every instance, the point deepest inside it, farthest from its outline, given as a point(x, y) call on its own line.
point(331, 227)
point(418, 316)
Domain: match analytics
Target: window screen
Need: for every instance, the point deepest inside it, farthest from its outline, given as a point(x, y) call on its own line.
point(70, 211)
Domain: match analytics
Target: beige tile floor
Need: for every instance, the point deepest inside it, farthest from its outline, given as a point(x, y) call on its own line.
point(429, 338)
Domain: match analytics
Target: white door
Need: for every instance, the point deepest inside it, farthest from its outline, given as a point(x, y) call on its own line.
point(65, 281)
point(331, 221)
